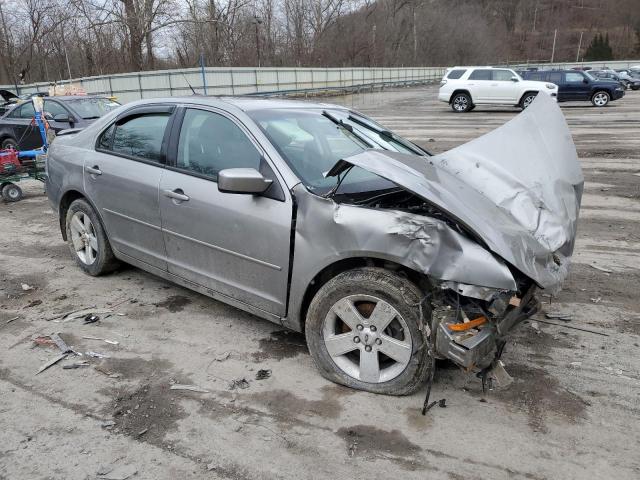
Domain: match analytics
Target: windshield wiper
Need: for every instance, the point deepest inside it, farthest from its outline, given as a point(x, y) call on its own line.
point(347, 127)
point(340, 178)
point(389, 136)
point(91, 118)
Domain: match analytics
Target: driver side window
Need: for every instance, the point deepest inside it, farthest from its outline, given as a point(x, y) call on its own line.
point(210, 142)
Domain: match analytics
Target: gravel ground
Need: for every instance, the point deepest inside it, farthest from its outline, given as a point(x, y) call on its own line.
point(572, 411)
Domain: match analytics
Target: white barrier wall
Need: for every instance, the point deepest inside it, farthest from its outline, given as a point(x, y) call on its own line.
point(241, 81)
point(246, 81)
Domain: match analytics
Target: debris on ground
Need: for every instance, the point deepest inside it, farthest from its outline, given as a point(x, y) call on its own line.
point(498, 376)
point(582, 329)
point(97, 354)
point(602, 269)
point(575, 364)
point(596, 300)
point(122, 472)
point(442, 403)
point(239, 383)
point(108, 424)
point(534, 326)
point(44, 340)
point(105, 340)
point(559, 316)
point(52, 362)
point(12, 319)
point(263, 374)
point(64, 348)
point(90, 318)
point(142, 432)
point(26, 287)
point(33, 303)
point(75, 365)
point(223, 356)
point(108, 373)
point(191, 388)
point(79, 313)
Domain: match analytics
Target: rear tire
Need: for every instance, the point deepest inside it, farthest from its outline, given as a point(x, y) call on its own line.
point(11, 193)
point(600, 99)
point(348, 307)
point(87, 240)
point(527, 98)
point(461, 102)
point(9, 143)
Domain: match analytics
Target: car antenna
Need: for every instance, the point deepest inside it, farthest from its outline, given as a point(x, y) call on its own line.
point(192, 90)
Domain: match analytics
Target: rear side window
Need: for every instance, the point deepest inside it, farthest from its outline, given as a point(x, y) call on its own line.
point(536, 76)
point(480, 75)
point(139, 137)
point(456, 74)
point(555, 77)
point(573, 77)
point(501, 75)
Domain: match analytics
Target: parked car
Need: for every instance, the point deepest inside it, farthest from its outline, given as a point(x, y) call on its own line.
point(465, 87)
point(317, 218)
point(630, 77)
point(576, 85)
point(610, 75)
point(17, 129)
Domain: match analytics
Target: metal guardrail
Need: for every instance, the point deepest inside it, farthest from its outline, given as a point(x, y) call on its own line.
point(243, 81)
point(267, 81)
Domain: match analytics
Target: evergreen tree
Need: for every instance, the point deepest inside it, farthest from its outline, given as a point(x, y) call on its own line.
point(599, 48)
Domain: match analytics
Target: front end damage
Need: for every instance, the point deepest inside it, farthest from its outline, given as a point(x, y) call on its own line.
point(488, 223)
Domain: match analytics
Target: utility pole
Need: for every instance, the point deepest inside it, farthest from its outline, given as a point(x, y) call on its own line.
point(204, 76)
point(535, 17)
point(579, 46)
point(257, 21)
point(553, 49)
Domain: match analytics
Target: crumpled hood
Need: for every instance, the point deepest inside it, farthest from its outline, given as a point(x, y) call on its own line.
point(8, 96)
point(518, 188)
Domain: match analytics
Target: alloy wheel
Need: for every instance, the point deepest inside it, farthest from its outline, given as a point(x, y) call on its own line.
point(367, 338)
point(528, 100)
point(600, 99)
point(460, 103)
point(83, 237)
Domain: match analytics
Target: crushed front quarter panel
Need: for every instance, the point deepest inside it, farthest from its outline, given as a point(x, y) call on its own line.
point(327, 232)
point(518, 188)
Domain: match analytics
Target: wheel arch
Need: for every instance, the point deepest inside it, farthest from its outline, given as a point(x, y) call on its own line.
point(297, 319)
point(527, 92)
point(63, 207)
point(458, 91)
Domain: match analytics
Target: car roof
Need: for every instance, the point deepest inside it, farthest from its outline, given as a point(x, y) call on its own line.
point(65, 98)
point(247, 103)
point(478, 67)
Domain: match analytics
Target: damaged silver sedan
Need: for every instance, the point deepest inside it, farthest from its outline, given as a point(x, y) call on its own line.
point(317, 218)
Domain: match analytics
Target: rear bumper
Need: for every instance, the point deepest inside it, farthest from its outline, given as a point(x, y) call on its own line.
point(444, 96)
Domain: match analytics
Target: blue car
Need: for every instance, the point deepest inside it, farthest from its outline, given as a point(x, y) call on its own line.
point(575, 85)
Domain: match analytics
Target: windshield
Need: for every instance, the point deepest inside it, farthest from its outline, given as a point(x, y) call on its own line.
point(312, 141)
point(90, 108)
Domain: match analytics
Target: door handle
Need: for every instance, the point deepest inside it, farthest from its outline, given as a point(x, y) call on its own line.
point(176, 194)
point(95, 170)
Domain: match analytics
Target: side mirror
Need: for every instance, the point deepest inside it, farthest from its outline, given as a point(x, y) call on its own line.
point(515, 79)
point(62, 117)
point(242, 180)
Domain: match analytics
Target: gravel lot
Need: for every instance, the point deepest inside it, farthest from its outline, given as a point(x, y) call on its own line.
point(572, 412)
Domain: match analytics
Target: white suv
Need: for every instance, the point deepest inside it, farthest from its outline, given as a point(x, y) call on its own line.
point(465, 87)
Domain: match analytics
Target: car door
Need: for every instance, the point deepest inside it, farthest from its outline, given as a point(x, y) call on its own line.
point(577, 86)
point(55, 110)
point(479, 84)
point(237, 245)
point(503, 88)
point(122, 177)
point(25, 133)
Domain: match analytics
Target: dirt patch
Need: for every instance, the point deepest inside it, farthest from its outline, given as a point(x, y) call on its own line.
point(147, 413)
point(371, 442)
point(11, 286)
point(174, 303)
point(281, 344)
point(540, 395)
point(136, 368)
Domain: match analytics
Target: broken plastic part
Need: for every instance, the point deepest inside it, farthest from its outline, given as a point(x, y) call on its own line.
point(463, 327)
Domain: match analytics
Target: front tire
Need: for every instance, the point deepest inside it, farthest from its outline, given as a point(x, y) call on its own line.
point(364, 330)
point(87, 240)
point(527, 99)
point(600, 99)
point(461, 102)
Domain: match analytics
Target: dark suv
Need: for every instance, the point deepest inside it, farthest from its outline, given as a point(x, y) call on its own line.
point(575, 85)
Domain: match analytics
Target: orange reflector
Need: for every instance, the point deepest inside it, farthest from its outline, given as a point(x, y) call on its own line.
point(462, 327)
